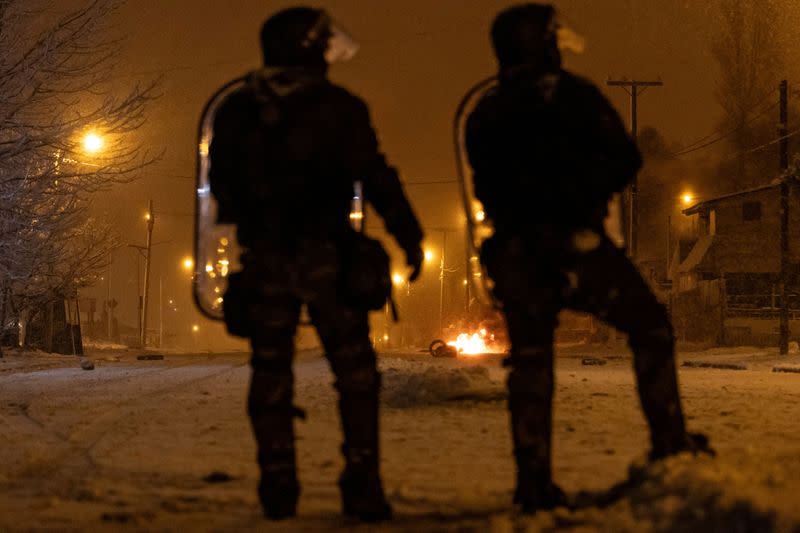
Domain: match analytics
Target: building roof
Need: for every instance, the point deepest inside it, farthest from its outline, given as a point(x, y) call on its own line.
point(702, 206)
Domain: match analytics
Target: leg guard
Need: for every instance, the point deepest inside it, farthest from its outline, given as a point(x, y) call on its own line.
point(530, 396)
point(654, 363)
point(271, 414)
point(358, 383)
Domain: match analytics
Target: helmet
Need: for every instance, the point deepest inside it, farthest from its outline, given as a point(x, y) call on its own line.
point(531, 34)
point(304, 37)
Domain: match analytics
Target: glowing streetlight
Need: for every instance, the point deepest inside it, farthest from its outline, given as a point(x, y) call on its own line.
point(195, 328)
point(398, 279)
point(428, 256)
point(188, 264)
point(93, 143)
point(687, 199)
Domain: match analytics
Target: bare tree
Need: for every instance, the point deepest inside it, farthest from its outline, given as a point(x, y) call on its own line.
point(54, 91)
point(750, 51)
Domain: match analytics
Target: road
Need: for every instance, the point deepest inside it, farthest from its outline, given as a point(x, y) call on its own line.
point(131, 445)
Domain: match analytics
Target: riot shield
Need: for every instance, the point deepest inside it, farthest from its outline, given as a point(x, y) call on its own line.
point(216, 252)
point(479, 227)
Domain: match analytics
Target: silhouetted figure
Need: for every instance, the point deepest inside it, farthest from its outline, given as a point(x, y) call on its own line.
point(548, 152)
point(286, 152)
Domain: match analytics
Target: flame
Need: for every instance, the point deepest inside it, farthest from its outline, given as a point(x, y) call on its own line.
point(467, 344)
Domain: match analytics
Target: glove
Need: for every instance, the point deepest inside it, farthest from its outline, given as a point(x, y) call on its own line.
point(414, 259)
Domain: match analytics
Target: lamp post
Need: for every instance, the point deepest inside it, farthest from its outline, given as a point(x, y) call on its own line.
point(195, 332)
point(429, 256)
point(399, 281)
point(150, 217)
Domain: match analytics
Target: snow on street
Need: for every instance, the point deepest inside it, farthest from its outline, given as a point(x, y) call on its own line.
point(166, 446)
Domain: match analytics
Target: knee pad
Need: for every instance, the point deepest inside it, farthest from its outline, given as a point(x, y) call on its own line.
point(355, 367)
point(655, 337)
point(531, 376)
point(271, 390)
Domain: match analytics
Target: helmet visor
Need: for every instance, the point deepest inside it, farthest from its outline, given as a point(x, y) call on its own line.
point(569, 40)
point(341, 46)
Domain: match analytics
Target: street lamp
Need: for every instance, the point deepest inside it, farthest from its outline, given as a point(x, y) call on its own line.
point(188, 264)
point(687, 199)
point(428, 256)
point(195, 331)
point(93, 143)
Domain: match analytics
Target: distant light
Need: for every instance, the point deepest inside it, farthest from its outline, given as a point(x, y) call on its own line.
point(209, 268)
point(188, 263)
point(356, 216)
point(195, 328)
point(385, 338)
point(466, 282)
point(398, 279)
point(480, 216)
point(428, 255)
point(224, 241)
point(93, 143)
point(687, 199)
point(148, 216)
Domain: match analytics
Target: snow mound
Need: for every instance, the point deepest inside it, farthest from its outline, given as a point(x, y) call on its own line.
point(408, 387)
point(683, 493)
point(688, 494)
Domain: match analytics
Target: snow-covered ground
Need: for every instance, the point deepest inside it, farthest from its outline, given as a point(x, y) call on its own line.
point(129, 445)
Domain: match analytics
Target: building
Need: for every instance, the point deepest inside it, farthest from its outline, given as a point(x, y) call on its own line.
point(725, 276)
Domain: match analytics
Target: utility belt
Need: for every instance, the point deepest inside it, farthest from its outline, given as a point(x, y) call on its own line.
point(354, 271)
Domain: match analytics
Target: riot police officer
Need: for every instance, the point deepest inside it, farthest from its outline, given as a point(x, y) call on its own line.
point(286, 152)
point(548, 151)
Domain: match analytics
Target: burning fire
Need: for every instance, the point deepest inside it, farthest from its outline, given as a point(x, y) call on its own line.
point(474, 344)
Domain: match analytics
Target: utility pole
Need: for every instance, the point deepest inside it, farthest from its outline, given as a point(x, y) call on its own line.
point(151, 219)
point(108, 301)
point(634, 88)
point(783, 128)
point(441, 283)
point(160, 311)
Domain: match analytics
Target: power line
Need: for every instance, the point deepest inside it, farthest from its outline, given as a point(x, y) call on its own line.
point(719, 131)
point(688, 150)
point(764, 146)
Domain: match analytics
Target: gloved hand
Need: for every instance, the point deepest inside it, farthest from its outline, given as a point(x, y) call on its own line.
point(414, 259)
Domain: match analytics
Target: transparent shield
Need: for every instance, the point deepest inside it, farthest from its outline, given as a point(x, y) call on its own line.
point(479, 227)
point(216, 252)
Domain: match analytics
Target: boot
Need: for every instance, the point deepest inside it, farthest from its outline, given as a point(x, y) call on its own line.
point(278, 489)
point(271, 414)
point(360, 483)
point(530, 386)
point(361, 488)
point(657, 381)
point(694, 443)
